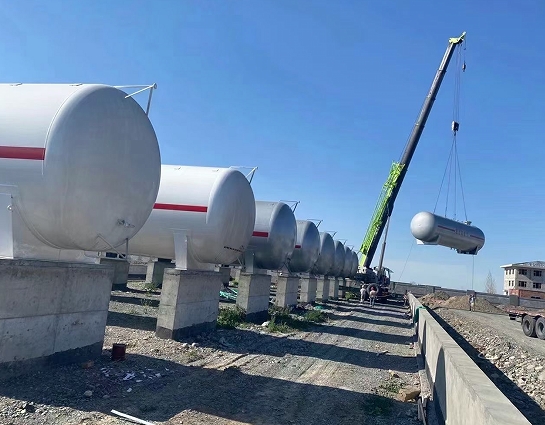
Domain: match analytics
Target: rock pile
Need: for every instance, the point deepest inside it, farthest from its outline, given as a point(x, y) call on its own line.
point(526, 370)
point(442, 299)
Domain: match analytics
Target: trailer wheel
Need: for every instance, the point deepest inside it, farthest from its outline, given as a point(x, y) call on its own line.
point(540, 328)
point(529, 326)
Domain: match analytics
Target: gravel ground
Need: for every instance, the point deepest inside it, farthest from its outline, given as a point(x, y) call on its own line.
point(514, 362)
point(348, 370)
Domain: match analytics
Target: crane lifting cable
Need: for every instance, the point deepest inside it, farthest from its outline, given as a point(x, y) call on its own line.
point(432, 229)
point(387, 198)
point(453, 162)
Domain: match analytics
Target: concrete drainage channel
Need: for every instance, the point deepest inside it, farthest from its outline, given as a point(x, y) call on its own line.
point(461, 391)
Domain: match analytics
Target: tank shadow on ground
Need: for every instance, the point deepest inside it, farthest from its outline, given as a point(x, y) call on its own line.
point(387, 307)
point(135, 300)
point(132, 321)
point(373, 311)
point(247, 342)
point(523, 402)
point(266, 400)
point(371, 321)
point(268, 344)
point(364, 334)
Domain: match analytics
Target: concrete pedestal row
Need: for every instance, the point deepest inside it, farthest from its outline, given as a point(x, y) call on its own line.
point(51, 313)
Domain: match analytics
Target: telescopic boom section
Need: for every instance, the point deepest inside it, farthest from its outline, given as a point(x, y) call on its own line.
point(391, 188)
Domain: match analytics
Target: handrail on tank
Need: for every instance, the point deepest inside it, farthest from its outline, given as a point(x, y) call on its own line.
point(250, 175)
point(142, 88)
point(319, 220)
point(294, 206)
point(331, 232)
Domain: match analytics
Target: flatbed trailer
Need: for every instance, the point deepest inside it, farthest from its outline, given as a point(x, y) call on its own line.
point(532, 321)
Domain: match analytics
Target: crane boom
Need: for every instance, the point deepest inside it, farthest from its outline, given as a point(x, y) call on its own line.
point(385, 204)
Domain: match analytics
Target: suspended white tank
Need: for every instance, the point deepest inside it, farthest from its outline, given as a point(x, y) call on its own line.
point(274, 235)
point(213, 209)
point(326, 255)
point(347, 262)
point(79, 167)
point(431, 229)
point(307, 247)
point(338, 264)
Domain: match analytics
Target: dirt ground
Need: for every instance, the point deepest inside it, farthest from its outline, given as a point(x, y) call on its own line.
point(345, 371)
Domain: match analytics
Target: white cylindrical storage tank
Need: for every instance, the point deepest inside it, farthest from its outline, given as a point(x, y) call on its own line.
point(81, 162)
point(338, 264)
point(307, 247)
point(326, 255)
point(355, 262)
point(274, 235)
point(432, 229)
point(214, 206)
point(347, 262)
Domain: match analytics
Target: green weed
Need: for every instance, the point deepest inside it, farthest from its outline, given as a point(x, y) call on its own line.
point(230, 318)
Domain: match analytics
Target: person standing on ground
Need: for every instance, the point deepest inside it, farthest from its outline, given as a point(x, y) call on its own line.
point(362, 293)
point(472, 302)
point(372, 297)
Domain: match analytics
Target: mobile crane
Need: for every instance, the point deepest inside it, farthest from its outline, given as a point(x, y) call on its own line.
point(380, 277)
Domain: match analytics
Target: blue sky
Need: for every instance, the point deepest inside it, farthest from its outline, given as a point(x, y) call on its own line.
point(321, 95)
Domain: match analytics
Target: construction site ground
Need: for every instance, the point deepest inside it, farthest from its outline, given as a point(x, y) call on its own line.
point(347, 370)
point(513, 361)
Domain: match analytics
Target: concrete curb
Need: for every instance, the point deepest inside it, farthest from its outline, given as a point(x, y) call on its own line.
point(462, 393)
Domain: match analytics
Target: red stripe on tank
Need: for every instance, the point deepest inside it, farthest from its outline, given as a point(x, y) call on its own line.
point(446, 228)
point(177, 207)
point(21, 152)
point(298, 246)
point(261, 234)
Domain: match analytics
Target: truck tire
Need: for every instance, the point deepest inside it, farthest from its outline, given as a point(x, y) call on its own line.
point(529, 326)
point(540, 327)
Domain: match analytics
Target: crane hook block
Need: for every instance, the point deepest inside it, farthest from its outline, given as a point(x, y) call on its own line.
point(455, 126)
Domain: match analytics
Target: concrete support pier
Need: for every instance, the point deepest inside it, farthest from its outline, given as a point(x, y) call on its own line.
point(156, 271)
point(51, 313)
point(322, 291)
point(334, 288)
point(225, 273)
point(189, 303)
point(235, 274)
point(253, 296)
point(308, 289)
point(121, 272)
point(286, 291)
point(343, 288)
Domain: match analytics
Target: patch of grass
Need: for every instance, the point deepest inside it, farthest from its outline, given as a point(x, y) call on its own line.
point(349, 296)
point(230, 318)
point(378, 406)
point(315, 316)
point(194, 355)
point(391, 386)
point(282, 321)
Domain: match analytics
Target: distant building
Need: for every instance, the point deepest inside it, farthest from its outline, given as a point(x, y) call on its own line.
point(525, 279)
